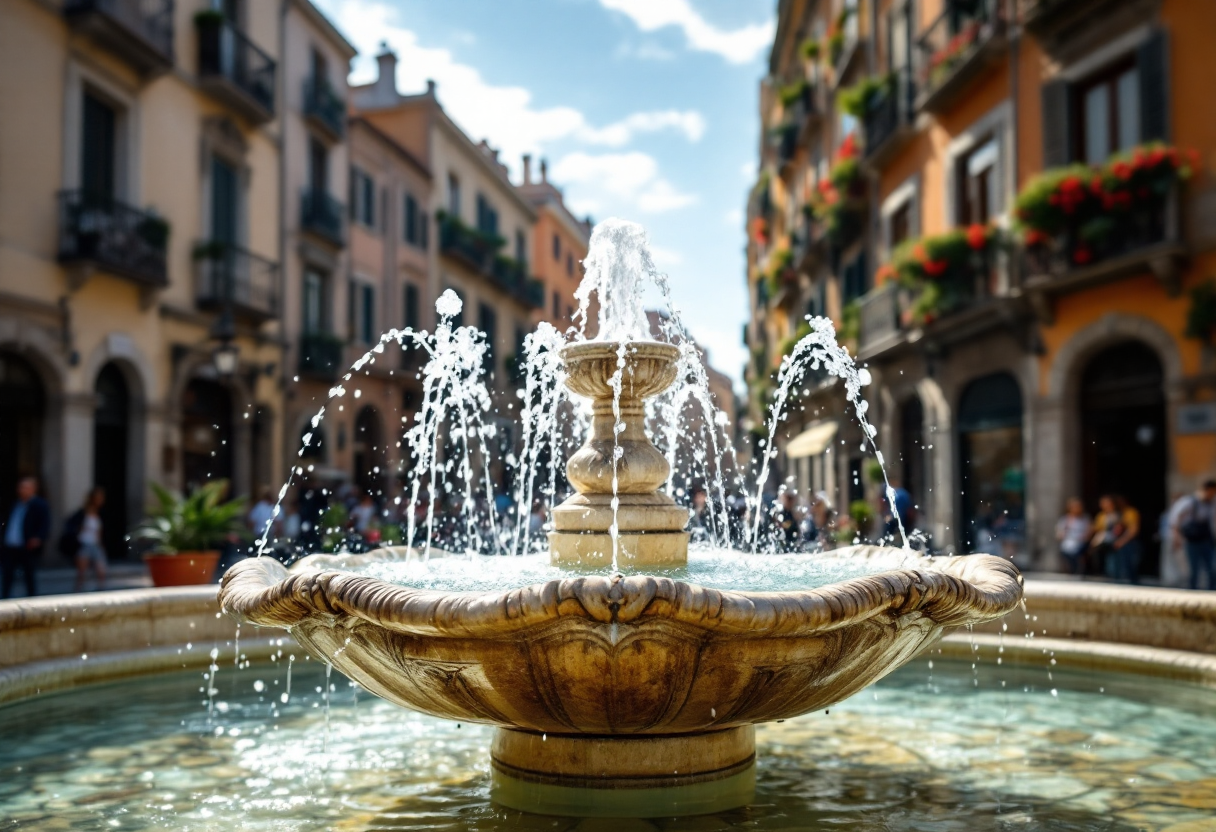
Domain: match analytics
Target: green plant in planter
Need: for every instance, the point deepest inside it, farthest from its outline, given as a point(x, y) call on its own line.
point(780, 263)
point(862, 515)
point(874, 471)
point(850, 321)
point(334, 521)
point(858, 99)
point(208, 17)
point(154, 231)
point(200, 522)
point(1201, 317)
point(811, 49)
point(793, 91)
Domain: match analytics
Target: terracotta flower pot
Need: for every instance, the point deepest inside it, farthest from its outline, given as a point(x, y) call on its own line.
point(183, 569)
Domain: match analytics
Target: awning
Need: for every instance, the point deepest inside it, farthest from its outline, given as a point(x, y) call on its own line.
point(811, 441)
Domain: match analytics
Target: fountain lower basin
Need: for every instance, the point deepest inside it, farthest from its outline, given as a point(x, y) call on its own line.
point(602, 664)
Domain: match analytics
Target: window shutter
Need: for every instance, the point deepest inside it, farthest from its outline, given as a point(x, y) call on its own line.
point(1152, 65)
point(1057, 129)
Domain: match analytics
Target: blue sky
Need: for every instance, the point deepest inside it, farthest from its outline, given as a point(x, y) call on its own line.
point(645, 109)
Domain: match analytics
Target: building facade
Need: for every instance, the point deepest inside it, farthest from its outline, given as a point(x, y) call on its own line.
point(1034, 217)
point(140, 288)
point(559, 246)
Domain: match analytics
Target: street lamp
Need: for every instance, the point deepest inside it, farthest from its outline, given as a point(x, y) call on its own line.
point(227, 355)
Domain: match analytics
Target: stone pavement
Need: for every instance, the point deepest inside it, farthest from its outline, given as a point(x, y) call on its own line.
point(60, 580)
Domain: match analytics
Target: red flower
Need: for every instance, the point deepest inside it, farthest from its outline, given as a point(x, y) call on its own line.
point(1054, 199)
point(935, 268)
point(884, 273)
point(918, 251)
point(1096, 185)
point(977, 236)
point(1122, 170)
point(1082, 256)
point(760, 230)
point(848, 147)
point(1034, 237)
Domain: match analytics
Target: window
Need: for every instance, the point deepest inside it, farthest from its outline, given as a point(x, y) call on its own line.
point(314, 302)
point(487, 217)
point(557, 305)
point(362, 198)
point(521, 249)
point(98, 148)
point(224, 201)
point(853, 279)
point(363, 312)
point(414, 221)
point(900, 224)
point(453, 195)
point(318, 165)
point(976, 174)
point(557, 248)
point(412, 307)
point(487, 322)
point(569, 264)
point(1108, 119)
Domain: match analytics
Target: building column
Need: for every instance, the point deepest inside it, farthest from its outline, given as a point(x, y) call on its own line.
point(75, 461)
point(1052, 476)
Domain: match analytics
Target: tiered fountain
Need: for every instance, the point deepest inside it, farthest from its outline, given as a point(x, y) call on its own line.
point(621, 686)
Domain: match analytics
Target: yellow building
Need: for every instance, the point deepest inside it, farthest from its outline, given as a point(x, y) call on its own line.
point(140, 289)
point(1036, 331)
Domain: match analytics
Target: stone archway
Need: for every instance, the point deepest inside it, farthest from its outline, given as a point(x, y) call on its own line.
point(370, 457)
point(23, 410)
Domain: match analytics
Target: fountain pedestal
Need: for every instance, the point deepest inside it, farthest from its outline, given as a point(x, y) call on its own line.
point(646, 527)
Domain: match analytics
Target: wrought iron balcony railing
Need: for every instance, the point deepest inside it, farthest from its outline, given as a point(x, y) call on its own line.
point(230, 275)
point(956, 47)
point(323, 215)
point(138, 31)
point(324, 107)
point(114, 237)
point(232, 68)
point(889, 116)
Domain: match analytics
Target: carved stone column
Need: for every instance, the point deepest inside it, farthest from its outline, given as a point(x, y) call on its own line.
point(650, 526)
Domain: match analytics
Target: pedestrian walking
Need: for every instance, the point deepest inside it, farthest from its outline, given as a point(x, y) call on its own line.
point(26, 525)
point(700, 523)
point(1193, 525)
point(1073, 531)
point(90, 553)
point(1116, 538)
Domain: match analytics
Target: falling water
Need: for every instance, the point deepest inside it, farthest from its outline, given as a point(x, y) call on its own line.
point(819, 348)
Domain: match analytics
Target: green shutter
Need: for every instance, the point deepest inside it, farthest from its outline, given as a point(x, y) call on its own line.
point(1152, 65)
point(1057, 127)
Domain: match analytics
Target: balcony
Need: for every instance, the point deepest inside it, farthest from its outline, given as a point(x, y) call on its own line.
point(512, 277)
point(324, 108)
point(1147, 241)
point(321, 356)
point(104, 234)
point(971, 298)
point(233, 69)
point(478, 251)
point(889, 119)
point(138, 31)
point(1063, 26)
point(959, 46)
point(228, 275)
point(324, 216)
point(783, 139)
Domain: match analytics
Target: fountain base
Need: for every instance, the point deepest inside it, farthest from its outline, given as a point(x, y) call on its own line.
point(624, 776)
point(594, 549)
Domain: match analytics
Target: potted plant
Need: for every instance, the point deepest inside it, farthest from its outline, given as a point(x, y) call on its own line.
point(187, 532)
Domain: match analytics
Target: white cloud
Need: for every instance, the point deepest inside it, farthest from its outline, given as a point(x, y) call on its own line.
point(734, 217)
point(665, 257)
point(505, 115)
point(738, 46)
point(748, 170)
point(619, 181)
point(646, 50)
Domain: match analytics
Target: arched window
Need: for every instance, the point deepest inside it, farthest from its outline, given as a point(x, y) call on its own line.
point(991, 466)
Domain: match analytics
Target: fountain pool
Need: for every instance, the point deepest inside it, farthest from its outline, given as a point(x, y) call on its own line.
point(937, 745)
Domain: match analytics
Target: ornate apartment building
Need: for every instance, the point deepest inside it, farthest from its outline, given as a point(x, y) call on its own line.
point(1008, 208)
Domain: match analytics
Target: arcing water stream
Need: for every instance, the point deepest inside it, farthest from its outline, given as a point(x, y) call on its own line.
point(450, 457)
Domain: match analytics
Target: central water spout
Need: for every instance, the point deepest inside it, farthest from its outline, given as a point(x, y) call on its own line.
point(648, 525)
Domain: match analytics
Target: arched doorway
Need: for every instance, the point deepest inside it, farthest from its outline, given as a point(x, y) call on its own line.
point(206, 433)
point(111, 441)
point(370, 457)
point(991, 466)
point(1123, 436)
point(22, 410)
point(913, 471)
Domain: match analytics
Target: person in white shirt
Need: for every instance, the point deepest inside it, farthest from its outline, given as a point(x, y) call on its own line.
point(90, 552)
point(1073, 531)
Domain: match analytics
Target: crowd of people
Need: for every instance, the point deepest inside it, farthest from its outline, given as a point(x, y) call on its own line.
point(1109, 543)
point(316, 518)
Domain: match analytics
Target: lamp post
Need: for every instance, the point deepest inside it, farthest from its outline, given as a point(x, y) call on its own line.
point(227, 355)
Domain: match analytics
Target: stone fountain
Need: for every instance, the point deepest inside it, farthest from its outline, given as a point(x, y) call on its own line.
point(615, 694)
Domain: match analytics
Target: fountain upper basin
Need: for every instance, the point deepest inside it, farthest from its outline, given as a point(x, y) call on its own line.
point(621, 655)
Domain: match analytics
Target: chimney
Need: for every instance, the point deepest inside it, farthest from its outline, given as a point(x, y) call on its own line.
point(430, 87)
point(544, 171)
point(386, 81)
point(527, 168)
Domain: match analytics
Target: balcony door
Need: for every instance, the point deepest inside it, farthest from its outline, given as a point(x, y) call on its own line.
point(314, 321)
point(224, 207)
point(99, 146)
point(318, 167)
